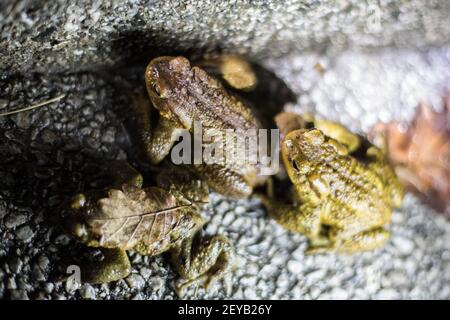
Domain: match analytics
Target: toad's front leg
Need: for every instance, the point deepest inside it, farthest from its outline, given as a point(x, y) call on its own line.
point(156, 134)
point(303, 218)
point(114, 266)
point(163, 137)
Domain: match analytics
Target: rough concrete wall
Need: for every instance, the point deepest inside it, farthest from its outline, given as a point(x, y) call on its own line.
point(59, 35)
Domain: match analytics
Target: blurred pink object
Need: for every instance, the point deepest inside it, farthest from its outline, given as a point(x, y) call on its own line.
point(420, 153)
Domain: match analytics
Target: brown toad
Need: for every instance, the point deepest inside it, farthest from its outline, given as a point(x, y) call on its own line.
point(342, 199)
point(151, 220)
point(184, 95)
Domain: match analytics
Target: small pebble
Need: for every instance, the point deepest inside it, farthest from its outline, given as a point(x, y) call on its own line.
point(87, 292)
point(18, 295)
point(3, 210)
point(239, 210)
point(145, 272)
point(138, 297)
point(404, 245)
point(71, 285)
point(339, 294)
point(48, 287)
point(135, 281)
point(15, 265)
point(15, 219)
point(24, 233)
point(388, 294)
point(295, 267)
point(156, 283)
point(43, 262)
point(37, 273)
point(11, 284)
point(250, 293)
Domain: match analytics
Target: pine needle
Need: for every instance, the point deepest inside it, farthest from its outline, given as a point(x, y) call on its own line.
point(41, 104)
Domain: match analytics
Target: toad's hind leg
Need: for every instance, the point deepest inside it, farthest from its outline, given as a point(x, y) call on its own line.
point(362, 241)
point(340, 133)
point(204, 262)
point(220, 179)
point(123, 173)
point(376, 161)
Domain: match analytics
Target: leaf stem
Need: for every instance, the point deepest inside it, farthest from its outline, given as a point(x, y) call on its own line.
point(41, 104)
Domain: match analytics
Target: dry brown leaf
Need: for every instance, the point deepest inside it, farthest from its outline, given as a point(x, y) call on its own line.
point(134, 218)
point(420, 152)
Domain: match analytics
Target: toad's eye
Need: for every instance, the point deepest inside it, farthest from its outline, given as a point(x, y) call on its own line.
point(157, 90)
point(294, 165)
point(160, 90)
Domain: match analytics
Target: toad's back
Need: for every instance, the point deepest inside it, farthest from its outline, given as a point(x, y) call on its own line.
point(349, 193)
point(186, 94)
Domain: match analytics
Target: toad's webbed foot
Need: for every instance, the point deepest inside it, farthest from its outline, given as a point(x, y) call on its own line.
point(114, 266)
point(339, 133)
point(233, 69)
point(115, 173)
point(180, 179)
point(362, 241)
point(203, 263)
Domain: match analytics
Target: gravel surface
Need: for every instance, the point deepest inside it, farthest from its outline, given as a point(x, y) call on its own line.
point(363, 70)
point(49, 153)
